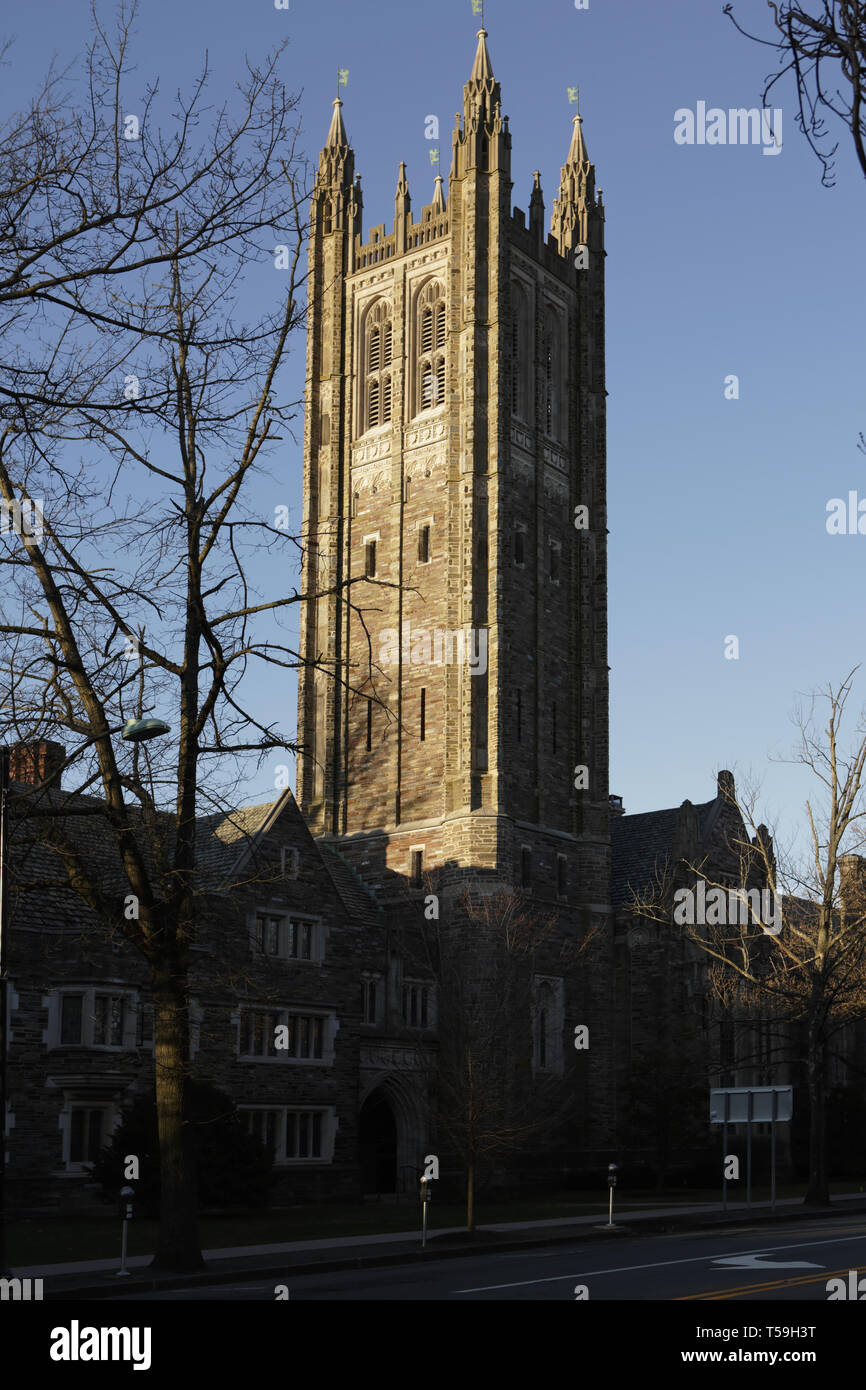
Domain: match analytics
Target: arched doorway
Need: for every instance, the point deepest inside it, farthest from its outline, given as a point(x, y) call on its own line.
point(377, 1144)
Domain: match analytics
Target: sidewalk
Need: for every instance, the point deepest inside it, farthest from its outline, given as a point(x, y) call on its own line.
point(98, 1278)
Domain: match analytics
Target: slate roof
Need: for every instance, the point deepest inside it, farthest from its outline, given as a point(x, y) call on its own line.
point(358, 900)
point(223, 839)
point(642, 844)
point(224, 842)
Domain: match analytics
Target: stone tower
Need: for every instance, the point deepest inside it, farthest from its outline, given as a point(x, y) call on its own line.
point(453, 710)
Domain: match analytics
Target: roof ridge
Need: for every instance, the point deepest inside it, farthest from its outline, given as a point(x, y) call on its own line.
point(664, 810)
point(325, 844)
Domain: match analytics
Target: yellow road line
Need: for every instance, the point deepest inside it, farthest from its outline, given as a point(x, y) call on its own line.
point(762, 1288)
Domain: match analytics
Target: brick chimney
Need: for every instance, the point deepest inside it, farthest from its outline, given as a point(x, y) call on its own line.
point(852, 884)
point(32, 763)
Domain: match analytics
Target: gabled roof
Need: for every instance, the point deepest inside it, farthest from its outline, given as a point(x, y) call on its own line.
point(642, 846)
point(225, 841)
point(356, 897)
point(226, 844)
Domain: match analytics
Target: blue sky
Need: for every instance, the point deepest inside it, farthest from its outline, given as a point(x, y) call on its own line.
point(720, 260)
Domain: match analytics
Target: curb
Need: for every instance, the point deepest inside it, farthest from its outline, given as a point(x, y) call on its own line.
point(281, 1272)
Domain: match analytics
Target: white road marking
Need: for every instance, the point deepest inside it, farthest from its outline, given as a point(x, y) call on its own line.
point(760, 1262)
point(658, 1264)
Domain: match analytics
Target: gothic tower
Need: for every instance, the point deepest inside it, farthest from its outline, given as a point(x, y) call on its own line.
point(453, 709)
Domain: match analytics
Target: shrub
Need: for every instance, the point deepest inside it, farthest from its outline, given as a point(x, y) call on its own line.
point(234, 1169)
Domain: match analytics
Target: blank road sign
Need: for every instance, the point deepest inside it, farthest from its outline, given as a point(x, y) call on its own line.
point(762, 1104)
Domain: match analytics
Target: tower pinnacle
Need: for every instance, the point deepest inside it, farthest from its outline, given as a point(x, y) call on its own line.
point(575, 205)
point(337, 137)
point(482, 68)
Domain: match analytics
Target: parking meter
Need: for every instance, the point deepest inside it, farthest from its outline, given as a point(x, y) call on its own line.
point(126, 1213)
point(611, 1183)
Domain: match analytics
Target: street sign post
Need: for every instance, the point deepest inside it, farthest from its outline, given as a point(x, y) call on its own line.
point(750, 1104)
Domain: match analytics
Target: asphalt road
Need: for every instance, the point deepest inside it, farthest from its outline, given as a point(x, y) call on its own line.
point(791, 1262)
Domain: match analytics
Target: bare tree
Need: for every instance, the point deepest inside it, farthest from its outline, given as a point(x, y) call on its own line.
point(140, 399)
point(487, 1101)
point(793, 952)
point(821, 43)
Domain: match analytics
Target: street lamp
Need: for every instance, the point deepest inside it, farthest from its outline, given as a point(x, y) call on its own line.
point(140, 730)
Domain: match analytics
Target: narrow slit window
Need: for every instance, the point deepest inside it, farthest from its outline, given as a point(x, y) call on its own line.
point(526, 868)
point(553, 562)
point(424, 544)
point(370, 559)
point(423, 715)
point(369, 725)
point(416, 858)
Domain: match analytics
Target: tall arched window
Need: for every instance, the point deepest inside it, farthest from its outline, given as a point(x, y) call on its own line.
point(547, 1024)
point(552, 367)
point(377, 366)
point(521, 352)
point(431, 347)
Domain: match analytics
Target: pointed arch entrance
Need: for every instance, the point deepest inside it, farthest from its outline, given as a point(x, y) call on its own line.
point(377, 1143)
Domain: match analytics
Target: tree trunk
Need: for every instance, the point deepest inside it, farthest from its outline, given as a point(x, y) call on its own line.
point(178, 1245)
point(818, 1191)
point(470, 1193)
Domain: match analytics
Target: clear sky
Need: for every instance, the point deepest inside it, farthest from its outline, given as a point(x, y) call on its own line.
point(721, 260)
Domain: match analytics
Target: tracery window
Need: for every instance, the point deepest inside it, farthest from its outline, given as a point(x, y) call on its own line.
point(521, 352)
point(547, 1024)
point(553, 415)
point(378, 340)
point(431, 347)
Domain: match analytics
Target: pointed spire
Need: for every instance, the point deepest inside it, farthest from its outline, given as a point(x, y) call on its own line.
point(536, 207)
point(481, 93)
point(336, 201)
point(577, 154)
point(438, 195)
point(482, 68)
point(575, 205)
point(483, 142)
point(402, 210)
point(402, 201)
point(337, 137)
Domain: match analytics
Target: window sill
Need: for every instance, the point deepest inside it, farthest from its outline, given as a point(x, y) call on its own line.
point(289, 1061)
